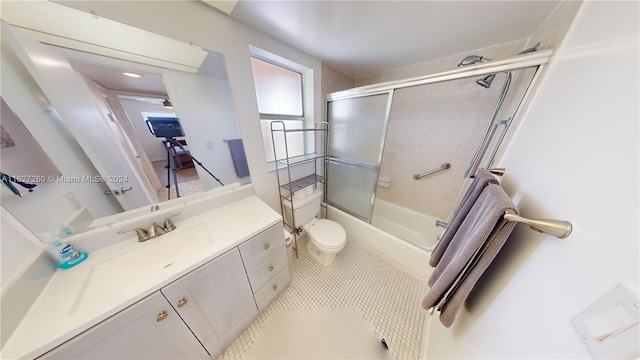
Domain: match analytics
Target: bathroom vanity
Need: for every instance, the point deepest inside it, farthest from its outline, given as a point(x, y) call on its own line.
point(186, 294)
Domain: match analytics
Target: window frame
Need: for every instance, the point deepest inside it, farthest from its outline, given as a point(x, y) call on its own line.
point(306, 74)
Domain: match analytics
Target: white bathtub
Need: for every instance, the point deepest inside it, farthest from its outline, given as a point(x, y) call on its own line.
point(405, 255)
point(408, 224)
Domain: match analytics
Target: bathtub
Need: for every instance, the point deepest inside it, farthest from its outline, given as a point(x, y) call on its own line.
point(411, 258)
point(408, 224)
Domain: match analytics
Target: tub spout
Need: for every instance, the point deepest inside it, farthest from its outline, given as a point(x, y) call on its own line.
point(442, 224)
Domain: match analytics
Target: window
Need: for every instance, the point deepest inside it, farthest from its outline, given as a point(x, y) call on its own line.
point(279, 90)
point(280, 97)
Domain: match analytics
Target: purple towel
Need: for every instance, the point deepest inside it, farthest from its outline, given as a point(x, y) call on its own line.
point(482, 179)
point(474, 246)
point(239, 158)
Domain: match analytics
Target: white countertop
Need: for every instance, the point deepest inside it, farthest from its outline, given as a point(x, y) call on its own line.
point(69, 304)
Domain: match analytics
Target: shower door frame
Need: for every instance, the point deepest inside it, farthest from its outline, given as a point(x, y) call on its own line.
point(376, 168)
point(537, 59)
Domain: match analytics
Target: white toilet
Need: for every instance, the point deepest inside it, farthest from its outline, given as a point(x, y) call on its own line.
point(325, 238)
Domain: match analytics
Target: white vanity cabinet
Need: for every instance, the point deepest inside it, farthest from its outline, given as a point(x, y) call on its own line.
point(265, 260)
point(149, 329)
point(215, 301)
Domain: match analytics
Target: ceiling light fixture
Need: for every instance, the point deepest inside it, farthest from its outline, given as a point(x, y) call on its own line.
point(133, 75)
point(167, 104)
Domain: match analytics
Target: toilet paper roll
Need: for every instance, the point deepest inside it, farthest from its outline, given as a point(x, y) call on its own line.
point(288, 237)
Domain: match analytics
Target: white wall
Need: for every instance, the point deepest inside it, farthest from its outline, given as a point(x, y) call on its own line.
point(207, 28)
point(574, 157)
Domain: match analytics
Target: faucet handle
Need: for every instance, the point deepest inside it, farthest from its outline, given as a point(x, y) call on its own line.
point(143, 235)
point(168, 224)
point(155, 230)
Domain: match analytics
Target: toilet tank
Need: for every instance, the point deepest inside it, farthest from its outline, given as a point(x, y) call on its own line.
point(306, 208)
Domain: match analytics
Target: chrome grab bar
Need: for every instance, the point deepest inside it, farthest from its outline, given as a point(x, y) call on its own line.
point(444, 166)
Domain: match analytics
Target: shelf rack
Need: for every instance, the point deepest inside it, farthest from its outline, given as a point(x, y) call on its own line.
point(286, 186)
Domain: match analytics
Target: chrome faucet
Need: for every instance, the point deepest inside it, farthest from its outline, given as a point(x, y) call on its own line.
point(154, 230)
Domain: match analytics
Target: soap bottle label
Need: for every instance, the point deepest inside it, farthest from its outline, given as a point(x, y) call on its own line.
point(69, 254)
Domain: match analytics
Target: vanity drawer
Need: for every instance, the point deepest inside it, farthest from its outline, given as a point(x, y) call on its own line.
point(272, 288)
point(261, 246)
point(267, 269)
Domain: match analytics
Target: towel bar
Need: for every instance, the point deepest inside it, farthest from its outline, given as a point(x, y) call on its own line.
point(558, 228)
point(497, 171)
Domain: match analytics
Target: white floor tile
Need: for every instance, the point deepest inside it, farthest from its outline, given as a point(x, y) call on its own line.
point(388, 298)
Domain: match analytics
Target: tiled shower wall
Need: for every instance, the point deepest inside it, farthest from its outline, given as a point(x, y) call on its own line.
point(430, 125)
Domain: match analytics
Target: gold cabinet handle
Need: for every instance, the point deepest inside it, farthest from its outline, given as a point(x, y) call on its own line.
point(275, 287)
point(266, 246)
point(182, 302)
point(271, 268)
point(161, 316)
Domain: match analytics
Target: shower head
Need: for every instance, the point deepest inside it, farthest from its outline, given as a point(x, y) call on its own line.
point(485, 82)
point(472, 59)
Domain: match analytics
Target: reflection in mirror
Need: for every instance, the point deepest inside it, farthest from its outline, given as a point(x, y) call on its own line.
point(83, 195)
point(23, 164)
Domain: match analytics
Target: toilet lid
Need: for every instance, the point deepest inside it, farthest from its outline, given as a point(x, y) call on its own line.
point(328, 234)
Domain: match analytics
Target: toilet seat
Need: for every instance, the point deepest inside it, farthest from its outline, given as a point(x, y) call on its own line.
point(328, 234)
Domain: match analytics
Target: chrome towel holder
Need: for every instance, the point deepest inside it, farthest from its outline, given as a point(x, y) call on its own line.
point(558, 228)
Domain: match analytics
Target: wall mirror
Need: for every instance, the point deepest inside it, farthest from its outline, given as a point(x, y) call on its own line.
point(92, 126)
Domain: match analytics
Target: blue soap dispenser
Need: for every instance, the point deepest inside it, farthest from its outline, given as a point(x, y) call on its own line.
point(64, 254)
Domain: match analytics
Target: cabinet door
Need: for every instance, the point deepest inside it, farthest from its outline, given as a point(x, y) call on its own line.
point(141, 331)
point(215, 301)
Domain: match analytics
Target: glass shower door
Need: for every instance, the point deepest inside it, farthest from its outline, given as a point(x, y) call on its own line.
point(358, 127)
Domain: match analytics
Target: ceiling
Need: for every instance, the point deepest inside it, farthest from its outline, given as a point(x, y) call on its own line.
point(361, 38)
point(113, 78)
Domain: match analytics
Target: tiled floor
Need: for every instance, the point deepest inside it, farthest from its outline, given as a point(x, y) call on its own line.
point(186, 188)
point(386, 296)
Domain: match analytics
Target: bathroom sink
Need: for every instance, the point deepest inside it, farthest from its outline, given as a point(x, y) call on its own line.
point(139, 262)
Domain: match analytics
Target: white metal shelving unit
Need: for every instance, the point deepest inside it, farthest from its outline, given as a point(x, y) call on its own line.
point(288, 186)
